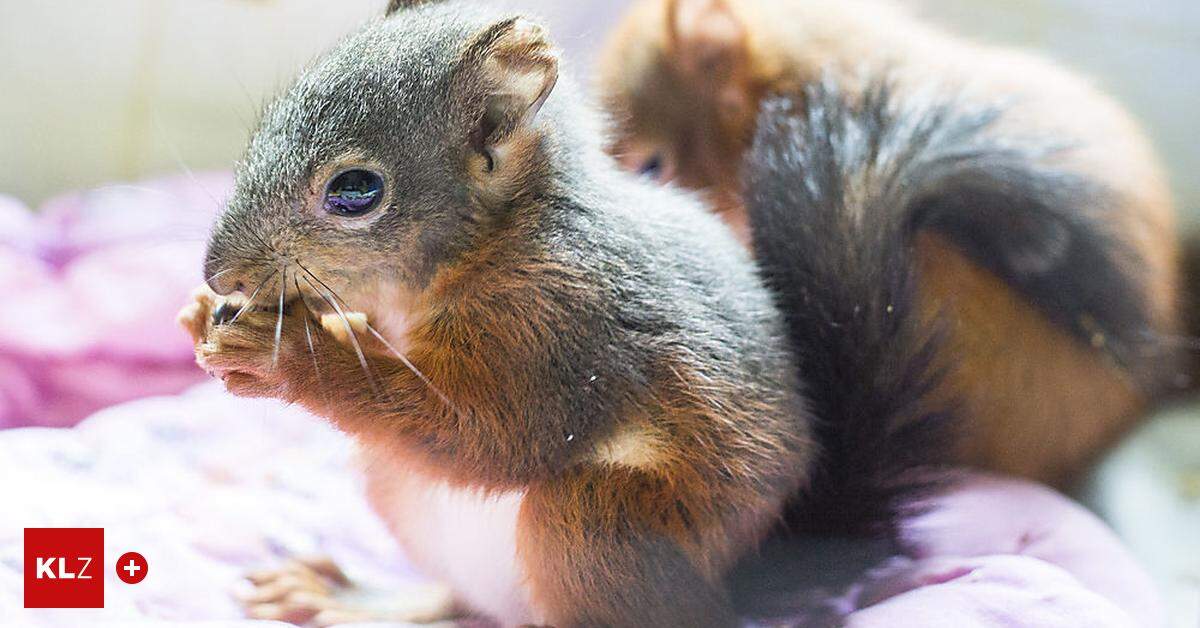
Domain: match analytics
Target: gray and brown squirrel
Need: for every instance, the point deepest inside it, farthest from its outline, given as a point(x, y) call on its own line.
point(572, 392)
point(1048, 258)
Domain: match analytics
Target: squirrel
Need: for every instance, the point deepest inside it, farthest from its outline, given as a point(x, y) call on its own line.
point(573, 395)
point(1055, 276)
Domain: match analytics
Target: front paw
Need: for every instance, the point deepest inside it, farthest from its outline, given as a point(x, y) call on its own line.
point(204, 310)
point(245, 352)
point(196, 317)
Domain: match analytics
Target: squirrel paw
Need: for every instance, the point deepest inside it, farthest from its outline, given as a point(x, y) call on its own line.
point(196, 317)
point(205, 310)
point(315, 592)
point(244, 353)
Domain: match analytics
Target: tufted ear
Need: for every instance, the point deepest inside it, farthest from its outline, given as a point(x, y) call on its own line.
point(705, 36)
point(517, 68)
point(396, 5)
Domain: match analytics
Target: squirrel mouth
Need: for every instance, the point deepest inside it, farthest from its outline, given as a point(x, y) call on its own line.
point(233, 306)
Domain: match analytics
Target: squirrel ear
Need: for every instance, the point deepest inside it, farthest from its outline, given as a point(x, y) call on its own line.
point(518, 68)
point(705, 36)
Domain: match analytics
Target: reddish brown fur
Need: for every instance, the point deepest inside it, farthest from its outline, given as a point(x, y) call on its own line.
point(1053, 390)
point(1044, 413)
point(678, 525)
point(632, 401)
point(590, 531)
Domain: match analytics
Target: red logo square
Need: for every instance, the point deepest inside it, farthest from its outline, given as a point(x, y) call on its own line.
point(64, 567)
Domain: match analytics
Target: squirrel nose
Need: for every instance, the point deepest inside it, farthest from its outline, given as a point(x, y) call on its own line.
point(225, 285)
point(223, 282)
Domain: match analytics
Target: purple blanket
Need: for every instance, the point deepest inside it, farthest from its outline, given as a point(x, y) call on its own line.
point(207, 486)
point(94, 280)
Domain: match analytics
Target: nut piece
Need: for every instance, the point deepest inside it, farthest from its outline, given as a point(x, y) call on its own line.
point(337, 328)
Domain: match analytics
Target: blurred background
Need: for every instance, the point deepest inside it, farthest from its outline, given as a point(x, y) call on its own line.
point(105, 91)
point(147, 87)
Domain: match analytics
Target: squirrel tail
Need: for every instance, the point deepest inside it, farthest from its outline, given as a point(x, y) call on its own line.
point(838, 186)
point(832, 236)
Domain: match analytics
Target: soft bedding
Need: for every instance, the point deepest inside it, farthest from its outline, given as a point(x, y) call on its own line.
point(92, 283)
point(207, 486)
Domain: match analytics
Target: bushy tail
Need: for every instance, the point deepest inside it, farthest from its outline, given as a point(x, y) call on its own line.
point(832, 238)
point(838, 184)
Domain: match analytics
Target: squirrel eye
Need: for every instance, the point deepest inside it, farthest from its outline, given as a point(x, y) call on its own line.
point(354, 193)
point(647, 159)
point(657, 167)
point(652, 167)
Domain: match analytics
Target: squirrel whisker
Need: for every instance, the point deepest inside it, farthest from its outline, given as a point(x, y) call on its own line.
point(219, 274)
point(416, 371)
point(337, 298)
point(362, 358)
point(253, 295)
point(333, 293)
point(279, 319)
point(303, 298)
point(312, 351)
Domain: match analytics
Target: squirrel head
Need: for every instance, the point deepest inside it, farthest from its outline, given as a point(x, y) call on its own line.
point(680, 80)
point(391, 154)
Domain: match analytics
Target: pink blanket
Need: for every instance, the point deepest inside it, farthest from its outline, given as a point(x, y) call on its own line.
point(93, 282)
point(207, 486)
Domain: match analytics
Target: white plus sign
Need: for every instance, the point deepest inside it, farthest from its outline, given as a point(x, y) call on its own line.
point(132, 568)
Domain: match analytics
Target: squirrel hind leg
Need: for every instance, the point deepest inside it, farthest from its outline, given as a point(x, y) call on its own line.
point(315, 592)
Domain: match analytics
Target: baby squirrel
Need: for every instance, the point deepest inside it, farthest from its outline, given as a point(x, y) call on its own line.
point(572, 392)
point(1055, 272)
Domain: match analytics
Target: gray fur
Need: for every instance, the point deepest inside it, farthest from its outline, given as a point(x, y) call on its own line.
point(662, 276)
point(393, 93)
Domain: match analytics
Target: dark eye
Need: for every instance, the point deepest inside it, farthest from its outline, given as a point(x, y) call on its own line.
point(652, 167)
point(354, 193)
